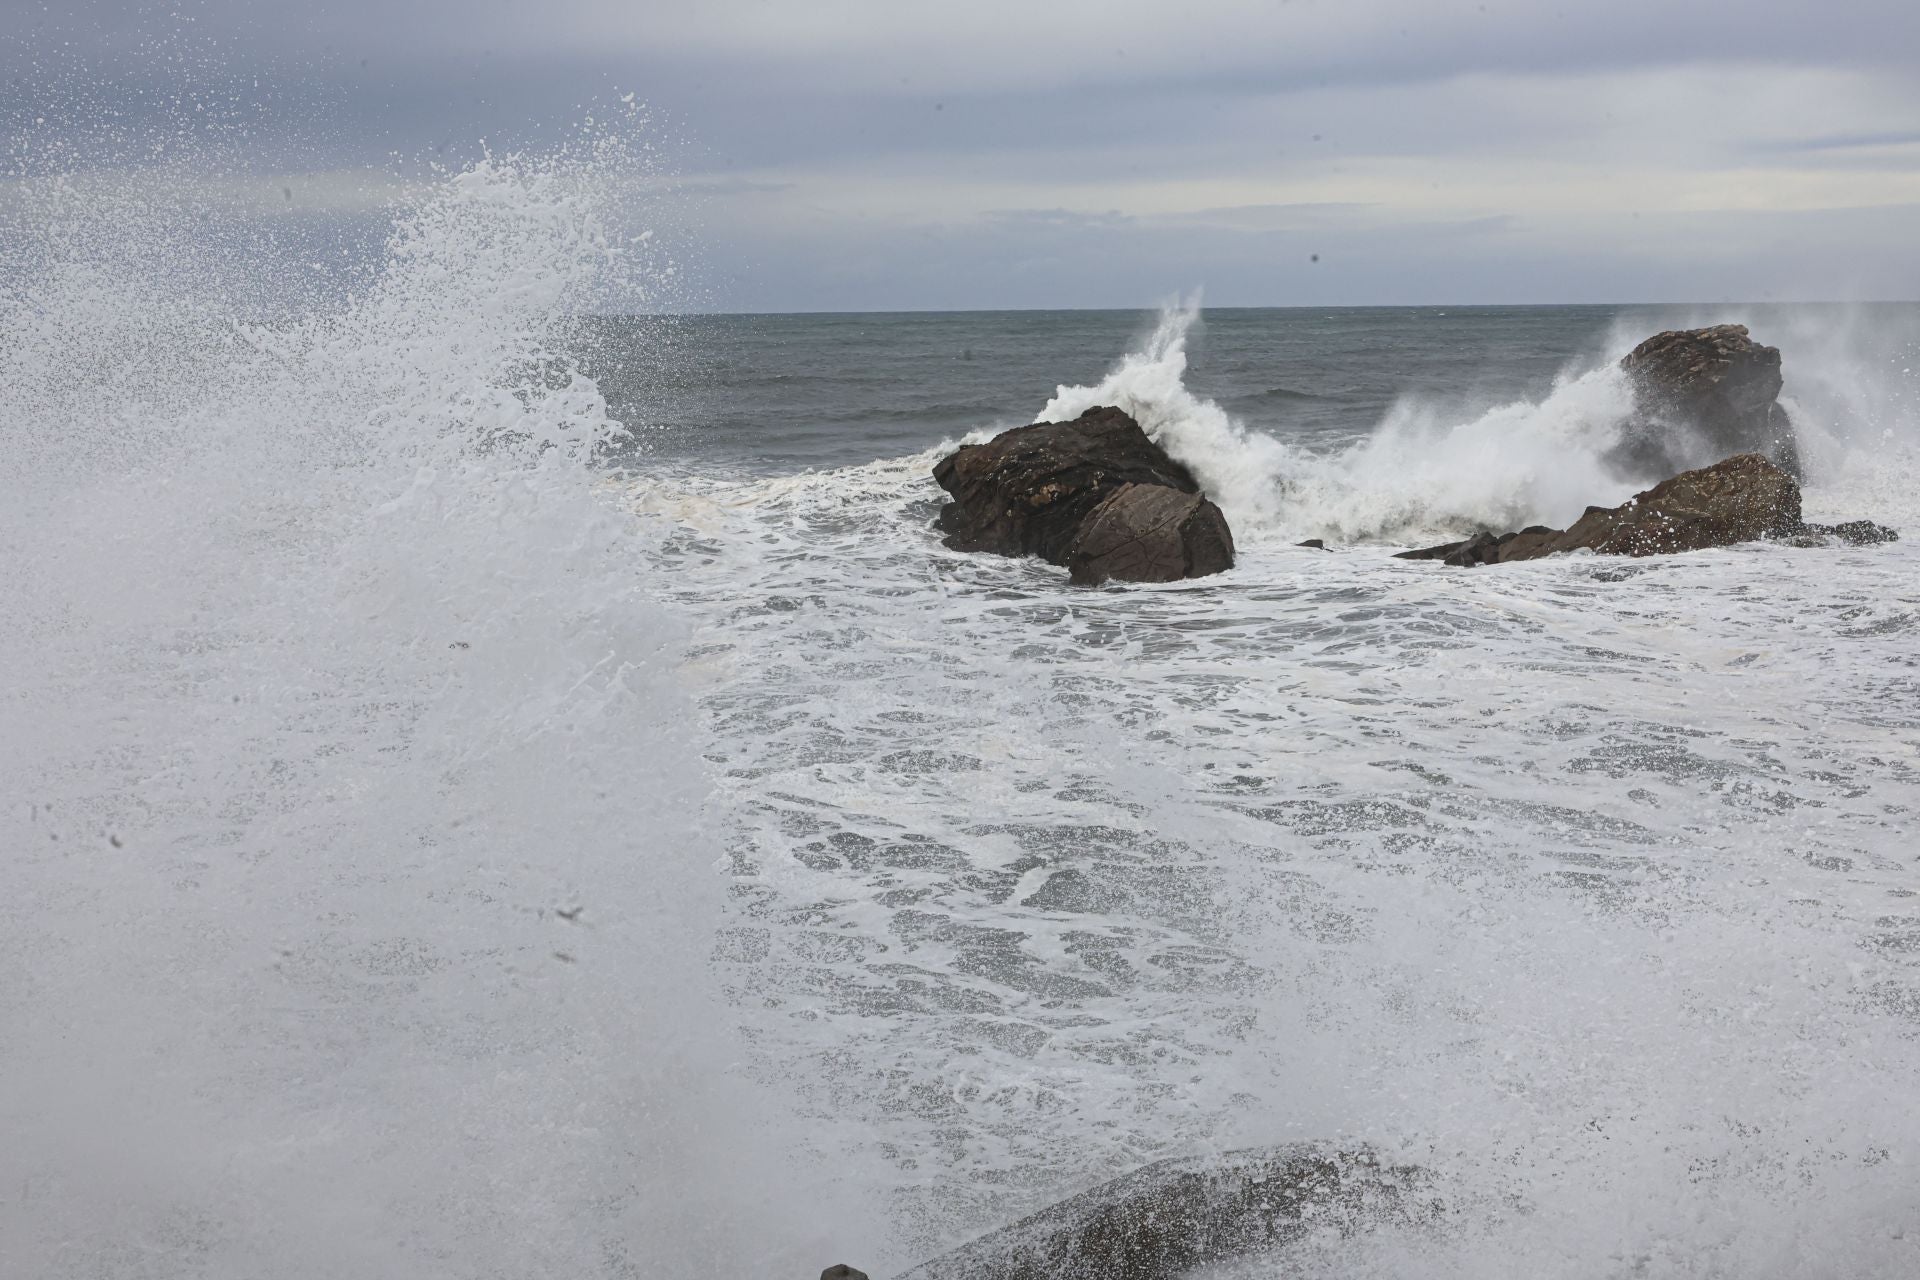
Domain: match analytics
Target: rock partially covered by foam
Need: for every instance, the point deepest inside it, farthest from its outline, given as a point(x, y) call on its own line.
point(1742, 499)
point(1176, 1216)
point(1701, 395)
point(1094, 495)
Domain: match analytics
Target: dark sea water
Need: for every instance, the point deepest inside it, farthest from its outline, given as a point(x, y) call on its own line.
point(494, 794)
point(798, 391)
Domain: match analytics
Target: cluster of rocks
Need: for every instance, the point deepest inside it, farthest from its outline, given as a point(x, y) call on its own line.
point(1174, 1217)
point(1094, 494)
point(1100, 498)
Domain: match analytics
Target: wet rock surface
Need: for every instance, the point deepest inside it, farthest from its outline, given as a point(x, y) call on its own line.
point(1150, 533)
point(1850, 533)
point(1703, 394)
point(1172, 1217)
point(1094, 495)
point(1742, 499)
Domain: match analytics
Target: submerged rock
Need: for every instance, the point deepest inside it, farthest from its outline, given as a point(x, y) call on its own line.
point(1094, 495)
point(1701, 395)
point(1172, 1217)
point(1850, 533)
point(1742, 499)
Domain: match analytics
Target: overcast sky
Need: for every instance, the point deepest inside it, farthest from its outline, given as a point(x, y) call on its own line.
point(850, 154)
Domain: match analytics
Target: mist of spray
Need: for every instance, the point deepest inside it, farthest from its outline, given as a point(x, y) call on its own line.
point(1425, 473)
point(355, 907)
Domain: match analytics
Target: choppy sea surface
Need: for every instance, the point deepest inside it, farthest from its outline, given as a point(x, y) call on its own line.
point(491, 792)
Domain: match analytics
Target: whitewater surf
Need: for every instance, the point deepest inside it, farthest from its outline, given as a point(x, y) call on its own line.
point(453, 829)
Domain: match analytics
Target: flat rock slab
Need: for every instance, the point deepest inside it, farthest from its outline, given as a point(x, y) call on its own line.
point(1094, 495)
point(1741, 499)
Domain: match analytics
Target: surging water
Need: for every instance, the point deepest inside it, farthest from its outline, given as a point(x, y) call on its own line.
point(427, 858)
point(1583, 884)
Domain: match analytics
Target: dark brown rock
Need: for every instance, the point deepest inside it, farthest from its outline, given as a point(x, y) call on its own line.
point(841, 1271)
point(1738, 500)
point(1482, 548)
point(1095, 495)
point(1741, 499)
point(1170, 1218)
point(1150, 533)
point(1701, 395)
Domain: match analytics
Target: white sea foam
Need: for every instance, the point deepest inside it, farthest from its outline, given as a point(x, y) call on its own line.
point(1582, 886)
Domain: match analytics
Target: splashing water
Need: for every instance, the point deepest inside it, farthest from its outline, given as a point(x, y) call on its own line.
point(417, 864)
point(1418, 475)
point(1243, 471)
point(1424, 474)
point(354, 913)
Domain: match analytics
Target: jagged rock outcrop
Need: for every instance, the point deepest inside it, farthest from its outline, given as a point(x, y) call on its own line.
point(1094, 495)
point(1701, 395)
point(1172, 1217)
point(1741, 499)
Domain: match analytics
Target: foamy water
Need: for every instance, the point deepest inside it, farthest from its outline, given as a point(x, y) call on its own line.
point(431, 855)
point(1581, 883)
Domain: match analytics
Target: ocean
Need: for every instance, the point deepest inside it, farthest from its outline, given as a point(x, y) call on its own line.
point(499, 790)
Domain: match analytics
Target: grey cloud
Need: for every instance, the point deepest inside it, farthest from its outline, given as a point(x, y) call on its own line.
point(986, 144)
point(724, 187)
point(1272, 217)
point(1707, 257)
point(1057, 219)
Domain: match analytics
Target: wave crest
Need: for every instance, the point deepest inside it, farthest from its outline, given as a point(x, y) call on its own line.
point(1418, 475)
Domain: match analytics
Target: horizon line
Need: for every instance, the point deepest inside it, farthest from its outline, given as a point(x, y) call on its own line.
point(1328, 306)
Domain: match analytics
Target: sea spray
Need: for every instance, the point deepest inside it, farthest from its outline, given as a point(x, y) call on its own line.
point(1418, 475)
point(355, 908)
point(1852, 389)
point(1245, 472)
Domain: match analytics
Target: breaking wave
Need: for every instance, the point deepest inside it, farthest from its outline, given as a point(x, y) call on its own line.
point(1424, 473)
point(355, 909)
